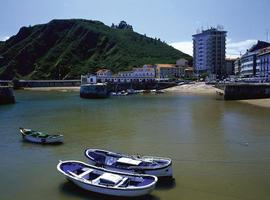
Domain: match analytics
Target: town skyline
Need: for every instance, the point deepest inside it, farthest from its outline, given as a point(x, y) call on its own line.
point(175, 26)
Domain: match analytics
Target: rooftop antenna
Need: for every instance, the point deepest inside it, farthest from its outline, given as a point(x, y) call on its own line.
point(267, 34)
point(240, 52)
point(202, 28)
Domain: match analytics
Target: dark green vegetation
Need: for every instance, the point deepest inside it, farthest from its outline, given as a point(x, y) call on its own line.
point(65, 49)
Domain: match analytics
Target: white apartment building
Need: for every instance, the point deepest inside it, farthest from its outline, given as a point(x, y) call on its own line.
point(253, 62)
point(143, 74)
point(263, 62)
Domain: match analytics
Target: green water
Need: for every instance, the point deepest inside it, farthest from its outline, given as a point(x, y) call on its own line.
point(220, 150)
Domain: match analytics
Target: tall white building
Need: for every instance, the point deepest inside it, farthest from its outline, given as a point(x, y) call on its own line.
point(209, 47)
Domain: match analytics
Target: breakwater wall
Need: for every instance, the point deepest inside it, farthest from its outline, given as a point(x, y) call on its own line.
point(116, 87)
point(6, 95)
point(76, 83)
point(46, 83)
point(246, 91)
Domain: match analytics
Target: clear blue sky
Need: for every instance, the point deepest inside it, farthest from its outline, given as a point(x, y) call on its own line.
point(170, 20)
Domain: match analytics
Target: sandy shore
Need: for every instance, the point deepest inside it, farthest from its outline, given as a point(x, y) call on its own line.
point(60, 89)
point(258, 102)
point(196, 88)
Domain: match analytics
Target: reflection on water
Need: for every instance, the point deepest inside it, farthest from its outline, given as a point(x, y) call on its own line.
point(220, 150)
point(166, 183)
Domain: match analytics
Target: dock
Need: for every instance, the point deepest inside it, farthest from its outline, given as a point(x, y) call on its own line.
point(46, 83)
point(241, 91)
point(6, 95)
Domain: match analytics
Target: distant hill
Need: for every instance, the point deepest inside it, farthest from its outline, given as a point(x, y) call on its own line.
point(65, 49)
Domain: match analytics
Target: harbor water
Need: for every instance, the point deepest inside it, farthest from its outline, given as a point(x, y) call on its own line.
point(220, 149)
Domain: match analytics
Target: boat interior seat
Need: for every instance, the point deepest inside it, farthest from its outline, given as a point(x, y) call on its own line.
point(86, 172)
point(82, 174)
point(123, 182)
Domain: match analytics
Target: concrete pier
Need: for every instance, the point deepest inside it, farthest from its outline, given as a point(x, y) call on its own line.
point(46, 83)
point(246, 91)
point(6, 95)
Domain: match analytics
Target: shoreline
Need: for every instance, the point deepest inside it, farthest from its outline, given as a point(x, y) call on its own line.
point(194, 88)
point(49, 89)
point(264, 103)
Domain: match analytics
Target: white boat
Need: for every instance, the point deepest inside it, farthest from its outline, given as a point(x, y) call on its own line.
point(157, 166)
point(39, 137)
point(122, 93)
point(107, 182)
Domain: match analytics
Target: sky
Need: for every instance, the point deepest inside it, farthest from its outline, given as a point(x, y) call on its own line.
point(173, 21)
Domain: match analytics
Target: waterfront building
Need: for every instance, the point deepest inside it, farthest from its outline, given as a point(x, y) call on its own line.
point(209, 51)
point(88, 79)
point(166, 71)
point(182, 65)
point(229, 67)
point(237, 67)
point(189, 72)
point(263, 63)
point(145, 71)
point(140, 74)
point(249, 66)
point(104, 73)
point(182, 62)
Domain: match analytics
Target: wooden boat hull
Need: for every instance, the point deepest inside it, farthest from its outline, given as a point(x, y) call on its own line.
point(107, 190)
point(51, 139)
point(161, 172)
point(44, 140)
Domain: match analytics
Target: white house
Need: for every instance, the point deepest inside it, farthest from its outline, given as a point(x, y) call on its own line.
point(263, 62)
point(142, 74)
point(104, 73)
point(182, 62)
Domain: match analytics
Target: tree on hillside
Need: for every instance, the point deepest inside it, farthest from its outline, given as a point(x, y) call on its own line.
point(122, 25)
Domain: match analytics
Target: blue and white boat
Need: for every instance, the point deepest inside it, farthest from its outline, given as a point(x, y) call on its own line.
point(157, 166)
point(107, 182)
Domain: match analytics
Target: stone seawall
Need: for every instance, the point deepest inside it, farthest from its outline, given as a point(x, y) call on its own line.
point(246, 91)
point(6, 95)
point(116, 87)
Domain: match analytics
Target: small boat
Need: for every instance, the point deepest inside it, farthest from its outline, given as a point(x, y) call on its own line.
point(39, 137)
point(107, 182)
point(122, 93)
point(160, 167)
point(132, 91)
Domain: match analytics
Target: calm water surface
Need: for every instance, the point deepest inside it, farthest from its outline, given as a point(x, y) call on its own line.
point(220, 150)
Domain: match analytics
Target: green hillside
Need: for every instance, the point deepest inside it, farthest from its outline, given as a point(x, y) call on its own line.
point(65, 49)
